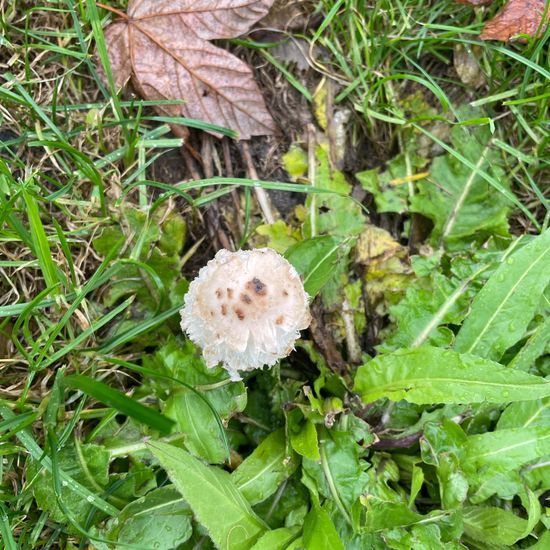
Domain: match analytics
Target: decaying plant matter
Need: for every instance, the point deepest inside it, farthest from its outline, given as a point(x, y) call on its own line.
point(163, 47)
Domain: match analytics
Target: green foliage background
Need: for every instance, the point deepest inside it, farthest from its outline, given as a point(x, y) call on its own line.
point(417, 417)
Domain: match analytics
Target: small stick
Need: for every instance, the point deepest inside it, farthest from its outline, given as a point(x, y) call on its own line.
point(212, 210)
point(206, 156)
point(228, 164)
point(227, 158)
point(311, 175)
point(354, 348)
point(195, 175)
point(261, 195)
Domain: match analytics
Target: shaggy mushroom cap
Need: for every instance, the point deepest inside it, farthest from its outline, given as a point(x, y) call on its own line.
point(245, 309)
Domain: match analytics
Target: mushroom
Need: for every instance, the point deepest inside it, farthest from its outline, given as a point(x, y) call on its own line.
point(245, 309)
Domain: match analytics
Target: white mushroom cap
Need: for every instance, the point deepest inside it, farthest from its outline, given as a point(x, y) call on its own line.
point(245, 309)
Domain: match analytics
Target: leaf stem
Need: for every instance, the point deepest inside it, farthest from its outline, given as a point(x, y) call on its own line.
point(124, 450)
point(331, 484)
point(121, 14)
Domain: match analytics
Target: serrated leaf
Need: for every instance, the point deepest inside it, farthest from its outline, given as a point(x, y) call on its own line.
point(279, 235)
point(503, 308)
point(428, 305)
point(213, 497)
point(461, 204)
point(335, 213)
point(163, 47)
point(428, 375)
point(261, 473)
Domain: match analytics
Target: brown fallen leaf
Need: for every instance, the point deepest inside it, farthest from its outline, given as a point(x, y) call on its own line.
point(516, 17)
point(162, 45)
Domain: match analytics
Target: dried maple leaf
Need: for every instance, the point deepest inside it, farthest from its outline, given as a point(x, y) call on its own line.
point(516, 17)
point(162, 45)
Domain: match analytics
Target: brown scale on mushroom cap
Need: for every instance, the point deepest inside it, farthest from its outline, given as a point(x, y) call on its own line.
point(255, 285)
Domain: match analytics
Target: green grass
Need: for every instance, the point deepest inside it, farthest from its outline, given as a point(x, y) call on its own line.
point(96, 255)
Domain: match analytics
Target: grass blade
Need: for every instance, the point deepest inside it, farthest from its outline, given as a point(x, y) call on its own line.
point(122, 403)
point(40, 242)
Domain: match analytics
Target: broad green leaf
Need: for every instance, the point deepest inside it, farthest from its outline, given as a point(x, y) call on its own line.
point(120, 402)
point(261, 473)
point(89, 464)
point(537, 475)
point(425, 537)
point(278, 539)
point(493, 462)
point(433, 375)
point(196, 420)
point(530, 502)
point(315, 259)
point(504, 307)
point(279, 235)
point(159, 520)
point(382, 514)
point(491, 525)
point(298, 544)
point(382, 481)
point(339, 475)
point(504, 450)
point(319, 531)
point(533, 348)
point(216, 502)
point(429, 305)
point(543, 542)
point(417, 480)
point(38, 455)
point(201, 423)
point(304, 440)
point(524, 414)
point(441, 446)
point(461, 204)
